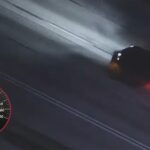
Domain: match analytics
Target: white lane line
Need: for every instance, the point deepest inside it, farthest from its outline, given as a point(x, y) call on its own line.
point(75, 112)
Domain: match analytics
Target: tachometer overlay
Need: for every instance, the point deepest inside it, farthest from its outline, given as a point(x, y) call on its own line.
point(5, 110)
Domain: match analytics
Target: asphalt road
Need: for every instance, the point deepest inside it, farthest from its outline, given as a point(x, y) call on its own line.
point(63, 99)
point(79, 83)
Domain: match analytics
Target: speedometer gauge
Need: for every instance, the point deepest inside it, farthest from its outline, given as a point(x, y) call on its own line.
point(5, 110)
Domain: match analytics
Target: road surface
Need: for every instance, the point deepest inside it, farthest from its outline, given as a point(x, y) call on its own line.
point(63, 98)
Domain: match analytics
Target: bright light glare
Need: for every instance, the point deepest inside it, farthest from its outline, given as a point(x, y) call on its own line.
point(119, 54)
point(131, 46)
point(118, 58)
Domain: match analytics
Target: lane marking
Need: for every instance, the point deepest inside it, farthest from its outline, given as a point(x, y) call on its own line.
point(75, 112)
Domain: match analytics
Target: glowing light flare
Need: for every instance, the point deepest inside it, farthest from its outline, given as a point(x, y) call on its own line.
point(131, 45)
point(114, 69)
point(118, 58)
point(147, 86)
point(119, 54)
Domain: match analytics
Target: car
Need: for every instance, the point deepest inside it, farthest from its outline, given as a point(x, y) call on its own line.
point(131, 65)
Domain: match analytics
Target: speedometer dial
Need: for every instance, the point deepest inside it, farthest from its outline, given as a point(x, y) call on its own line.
point(5, 110)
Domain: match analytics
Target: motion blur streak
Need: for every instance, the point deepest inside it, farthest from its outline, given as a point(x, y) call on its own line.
point(75, 112)
point(36, 18)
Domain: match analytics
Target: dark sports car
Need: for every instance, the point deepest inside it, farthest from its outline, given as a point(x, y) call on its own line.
point(131, 65)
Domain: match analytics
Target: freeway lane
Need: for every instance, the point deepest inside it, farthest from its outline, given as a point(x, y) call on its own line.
point(36, 122)
point(79, 83)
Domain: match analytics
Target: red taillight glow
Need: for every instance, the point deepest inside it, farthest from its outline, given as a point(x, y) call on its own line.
point(147, 86)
